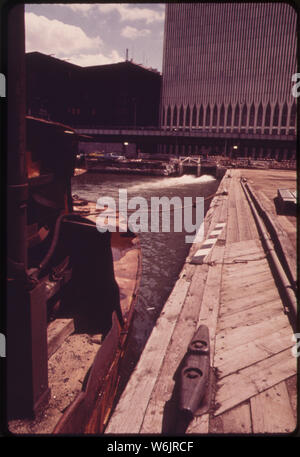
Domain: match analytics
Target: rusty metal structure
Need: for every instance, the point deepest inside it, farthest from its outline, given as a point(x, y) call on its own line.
point(58, 263)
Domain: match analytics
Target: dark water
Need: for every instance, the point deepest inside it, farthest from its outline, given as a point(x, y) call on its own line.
point(163, 254)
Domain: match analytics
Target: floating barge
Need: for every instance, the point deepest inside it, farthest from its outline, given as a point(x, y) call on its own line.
point(240, 283)
point(160, 166)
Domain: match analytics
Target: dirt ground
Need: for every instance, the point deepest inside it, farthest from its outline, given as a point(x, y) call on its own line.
point(265, 183)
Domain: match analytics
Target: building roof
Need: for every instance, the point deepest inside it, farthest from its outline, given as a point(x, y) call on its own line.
point(127, 64)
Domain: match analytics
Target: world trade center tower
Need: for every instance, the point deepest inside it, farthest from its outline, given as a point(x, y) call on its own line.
point(227, 68)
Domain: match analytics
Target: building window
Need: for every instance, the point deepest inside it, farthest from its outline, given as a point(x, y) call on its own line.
point(207, 118)
point(293, 115)
point(268, 116)
point(229, 116)
point(284, 115)
point(236, 116)
point(276, 116)
point(259, 115)
point(194, 117)
point(215, 116)
point(201, 116)
point(188, 116)
point(175, 116)
point(244, 115)
point(222, 115)
point(181, 116)
point(169, 116)
point(252, 115)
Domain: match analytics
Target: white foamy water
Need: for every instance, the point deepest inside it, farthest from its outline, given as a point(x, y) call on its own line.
point(162, 183)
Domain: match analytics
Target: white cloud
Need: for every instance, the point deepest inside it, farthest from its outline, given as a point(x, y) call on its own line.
point(51, 36)
point(84, 8)
point(87, 60)
point(132, 32)
point(133, 13)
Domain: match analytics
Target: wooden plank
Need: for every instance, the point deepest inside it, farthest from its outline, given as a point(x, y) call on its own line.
point(211, 298)
point(242, 248)
point(244, 291)
point(247, 281)
point(199, 425)
point(250, 232)
point(209, 316)
point(291, 385)
point(271, 411)
point(231, 338)
point(237, 358)
point(251, 221)
point(158, 416)
point(233, 306)
point(57, 331)
point(243, 225)
point(232, 234)
point(237, 420)
point(251, 316)
point(245, 269)
point(130, 411)
point(238, 387)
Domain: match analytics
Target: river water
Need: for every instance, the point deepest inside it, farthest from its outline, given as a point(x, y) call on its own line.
point(163, 254)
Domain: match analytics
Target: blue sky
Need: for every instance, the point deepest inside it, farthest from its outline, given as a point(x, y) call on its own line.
point(97, 33)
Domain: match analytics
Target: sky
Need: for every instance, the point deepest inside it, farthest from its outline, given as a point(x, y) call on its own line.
point(97, 33)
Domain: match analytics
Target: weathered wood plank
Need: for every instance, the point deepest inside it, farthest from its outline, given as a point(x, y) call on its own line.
point(238, 387)
point(244, 291)
point(230, 338)
point(244, 355)
point(243, 224)
point(291, 385)
point(256, 278)
point(211, 299)
point(251, 316)
point(158, 416)
point(209, 316)
point(237, 420)
point(199, 425)
point(233, 306)
point(57, 332)
point(271, 411)
point(130, 411)
point(245, 269)
point(242, 248)
point(232, 234)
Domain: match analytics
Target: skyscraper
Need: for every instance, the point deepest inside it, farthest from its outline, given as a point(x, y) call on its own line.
point(228, 67)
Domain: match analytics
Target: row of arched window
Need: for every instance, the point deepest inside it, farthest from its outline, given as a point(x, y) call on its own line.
point(237, 116)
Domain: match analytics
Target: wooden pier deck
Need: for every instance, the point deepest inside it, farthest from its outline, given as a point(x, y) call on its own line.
point(234, 293)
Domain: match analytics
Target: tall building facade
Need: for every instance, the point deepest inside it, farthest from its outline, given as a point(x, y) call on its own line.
point(228, 67)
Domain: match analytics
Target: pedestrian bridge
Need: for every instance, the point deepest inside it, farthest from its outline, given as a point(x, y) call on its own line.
point(148, 132)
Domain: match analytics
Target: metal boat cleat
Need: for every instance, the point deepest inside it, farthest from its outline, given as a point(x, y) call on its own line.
point(194, 374)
